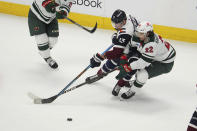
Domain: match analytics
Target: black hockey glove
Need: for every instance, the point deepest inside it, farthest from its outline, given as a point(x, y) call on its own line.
point(95, 61)
point(61, 14)
point(49, 5)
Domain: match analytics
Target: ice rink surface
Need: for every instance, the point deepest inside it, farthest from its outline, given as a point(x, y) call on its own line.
point(165, 103)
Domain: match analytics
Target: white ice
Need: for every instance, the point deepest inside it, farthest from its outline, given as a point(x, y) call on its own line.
point(165, 103)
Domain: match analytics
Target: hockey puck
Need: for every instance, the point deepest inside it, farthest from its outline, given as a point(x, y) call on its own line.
point(69, 119)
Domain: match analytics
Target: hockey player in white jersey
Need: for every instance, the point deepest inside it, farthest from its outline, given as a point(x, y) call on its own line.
point(125, 26)
point(43, 25)
point(157, 58)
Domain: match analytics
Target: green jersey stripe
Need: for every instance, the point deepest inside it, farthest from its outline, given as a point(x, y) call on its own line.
point(170, 53)
point(147, 55)
point(149, 60)
point(170, 56)
point(39, 12)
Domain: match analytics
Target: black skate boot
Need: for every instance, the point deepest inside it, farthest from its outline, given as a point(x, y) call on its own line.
point(128, 94)
point(52, 63)
point(121, 83)
point(96, 77)
point(116, 90)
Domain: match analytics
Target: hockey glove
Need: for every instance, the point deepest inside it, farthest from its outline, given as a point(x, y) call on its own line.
point(49, 5)
point(124, 68)
point(95, 61)
point(114, 38)
point(61, 14)
point(123, 60)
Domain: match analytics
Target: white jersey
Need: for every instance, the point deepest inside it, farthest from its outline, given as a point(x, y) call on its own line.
point(155, 49)
point(45, 16)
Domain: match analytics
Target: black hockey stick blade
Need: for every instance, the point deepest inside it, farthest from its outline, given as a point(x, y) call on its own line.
point(38, 100)
point(90, 31)
point(48, 100)
point(94, 29)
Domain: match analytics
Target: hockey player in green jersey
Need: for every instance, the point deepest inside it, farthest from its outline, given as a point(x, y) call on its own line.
point(43, 25)
point(157, 58)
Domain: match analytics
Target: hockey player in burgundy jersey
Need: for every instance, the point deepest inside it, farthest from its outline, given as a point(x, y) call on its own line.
point(125, 25)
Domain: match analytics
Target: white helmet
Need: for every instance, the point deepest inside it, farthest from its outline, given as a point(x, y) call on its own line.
point(144, 27)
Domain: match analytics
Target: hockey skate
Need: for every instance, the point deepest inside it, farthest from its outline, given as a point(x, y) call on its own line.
point(121, 83)
point(128, 94)
point(116, 90)
point(96, 77)
point(52, 63)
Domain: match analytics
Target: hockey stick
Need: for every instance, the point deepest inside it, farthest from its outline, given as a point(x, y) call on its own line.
point(35, 98)
point(84, 83)
point(91, 31)
point(38, 100)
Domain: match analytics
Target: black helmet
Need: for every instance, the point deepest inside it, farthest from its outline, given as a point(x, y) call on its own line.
point(118, 16)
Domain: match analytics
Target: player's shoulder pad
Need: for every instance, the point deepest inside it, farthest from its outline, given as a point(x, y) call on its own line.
point(124, 31)
point(128, 28)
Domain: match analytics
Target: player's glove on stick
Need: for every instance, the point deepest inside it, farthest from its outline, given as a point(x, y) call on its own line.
point(61, 14)
point(49, 5)
point(124, 67)
point(95, 61)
